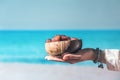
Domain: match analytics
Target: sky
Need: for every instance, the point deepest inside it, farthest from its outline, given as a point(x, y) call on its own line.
point(59, 14)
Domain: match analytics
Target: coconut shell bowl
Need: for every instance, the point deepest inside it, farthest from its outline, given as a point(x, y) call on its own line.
point(60, 44)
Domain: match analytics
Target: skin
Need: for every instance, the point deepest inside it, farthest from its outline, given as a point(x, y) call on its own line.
point(81, 55)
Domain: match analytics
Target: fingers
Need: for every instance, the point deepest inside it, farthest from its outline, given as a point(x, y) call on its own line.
point(54, 58)
point(73, 61)
point(71, 57)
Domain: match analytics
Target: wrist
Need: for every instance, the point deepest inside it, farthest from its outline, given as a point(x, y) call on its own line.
point(93, 54)
point(99, 58)
point(102, 57)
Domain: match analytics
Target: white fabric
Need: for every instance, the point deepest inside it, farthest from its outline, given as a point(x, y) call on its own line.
point(112, 57)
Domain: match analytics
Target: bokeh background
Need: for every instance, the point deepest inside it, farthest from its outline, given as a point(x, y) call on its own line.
point(26, 24)
point(59, 14)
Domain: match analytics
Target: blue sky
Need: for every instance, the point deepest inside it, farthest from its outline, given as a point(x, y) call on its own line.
point(59, 14)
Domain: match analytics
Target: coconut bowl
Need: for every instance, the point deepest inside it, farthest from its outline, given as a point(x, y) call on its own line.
point(60, 47)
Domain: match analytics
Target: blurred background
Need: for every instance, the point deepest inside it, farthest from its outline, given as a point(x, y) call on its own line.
point(25, 25)
point(59, 14)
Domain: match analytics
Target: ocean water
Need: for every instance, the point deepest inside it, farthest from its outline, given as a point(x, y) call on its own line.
point(28, 46)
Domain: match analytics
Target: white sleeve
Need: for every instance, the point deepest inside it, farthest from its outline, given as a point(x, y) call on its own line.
point(112, 57)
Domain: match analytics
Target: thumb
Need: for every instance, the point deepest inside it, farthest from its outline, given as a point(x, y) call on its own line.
point(71, 57)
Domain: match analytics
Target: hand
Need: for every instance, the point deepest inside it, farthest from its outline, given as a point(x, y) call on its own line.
point(81, 55)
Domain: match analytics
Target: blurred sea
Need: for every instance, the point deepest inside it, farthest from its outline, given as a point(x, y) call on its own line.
point(28, 46)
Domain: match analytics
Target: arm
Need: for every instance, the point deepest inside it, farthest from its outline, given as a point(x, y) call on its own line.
point(81, 55)
point(111, 57)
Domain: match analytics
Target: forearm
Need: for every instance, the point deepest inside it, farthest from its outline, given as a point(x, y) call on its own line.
point(87, 54)
point(91, 54)
point(100, 56)
point(111, 57)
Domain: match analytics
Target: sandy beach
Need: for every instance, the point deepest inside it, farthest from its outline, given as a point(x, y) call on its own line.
point(22, 71)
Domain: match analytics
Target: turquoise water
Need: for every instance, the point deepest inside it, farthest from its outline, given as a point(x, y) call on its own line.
point(28, 46)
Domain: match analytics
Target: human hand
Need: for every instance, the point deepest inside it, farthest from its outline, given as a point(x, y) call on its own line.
point(81, 55)
point(67, 57)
